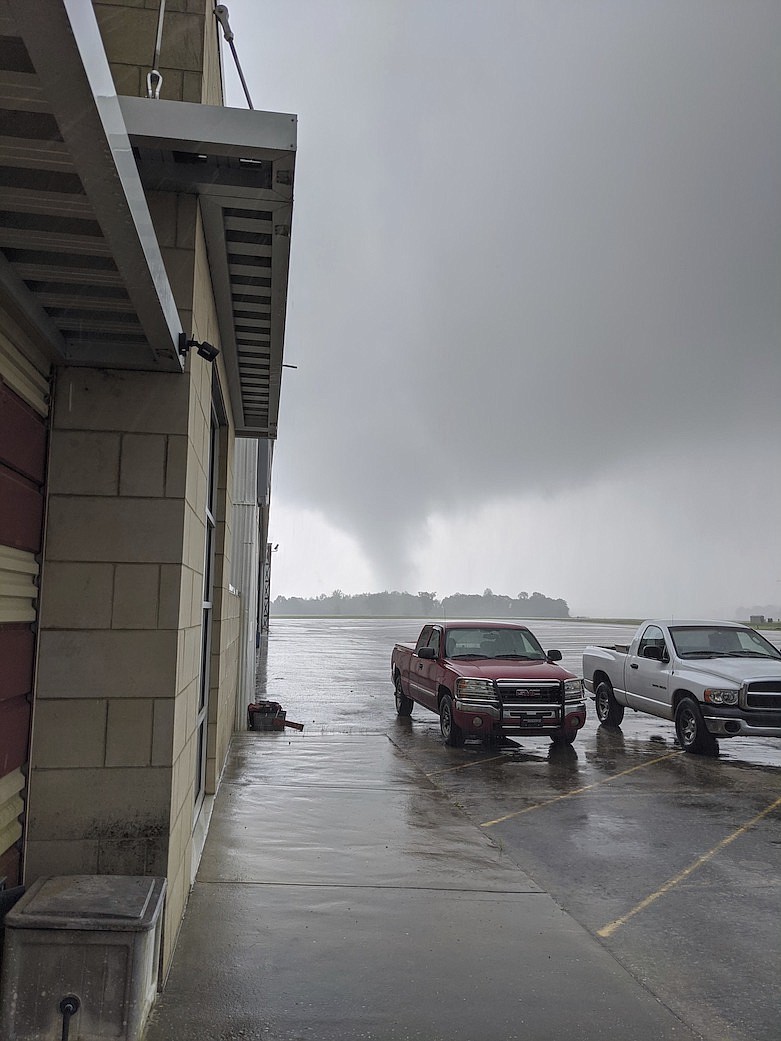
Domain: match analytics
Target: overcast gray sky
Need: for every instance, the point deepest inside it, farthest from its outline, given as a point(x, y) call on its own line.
point(535, 298)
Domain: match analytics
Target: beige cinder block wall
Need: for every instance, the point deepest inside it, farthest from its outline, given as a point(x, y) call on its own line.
point(115, 738)
point(111, 598)
point(189, 54)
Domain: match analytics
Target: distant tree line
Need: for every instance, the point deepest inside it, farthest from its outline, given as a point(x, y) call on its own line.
point(393, 604)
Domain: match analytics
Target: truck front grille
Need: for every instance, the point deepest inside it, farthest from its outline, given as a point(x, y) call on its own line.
point(513, 692)
point(764, 694)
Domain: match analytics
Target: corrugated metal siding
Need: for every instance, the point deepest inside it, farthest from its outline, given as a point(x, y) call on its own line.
point(23, 438)
point(18, 590)
point(245, 576)
point(18, 373)
point(265, 457)
point(245, 470)
point(11, 809)
point(245, 565)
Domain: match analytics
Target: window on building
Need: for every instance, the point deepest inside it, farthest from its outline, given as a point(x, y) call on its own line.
point(202, 719)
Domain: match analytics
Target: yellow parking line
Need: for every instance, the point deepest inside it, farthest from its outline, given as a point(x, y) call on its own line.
point(579, 791)
point(465, 766)
point(611, 927)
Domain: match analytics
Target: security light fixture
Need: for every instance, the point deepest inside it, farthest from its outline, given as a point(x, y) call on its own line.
point(205, 349)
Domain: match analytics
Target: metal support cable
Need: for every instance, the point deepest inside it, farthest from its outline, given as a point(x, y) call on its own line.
point(221, 14)
point(154, 79)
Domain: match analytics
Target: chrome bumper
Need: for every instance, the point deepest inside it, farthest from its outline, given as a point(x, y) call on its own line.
point(729, 726)
point(475, 708)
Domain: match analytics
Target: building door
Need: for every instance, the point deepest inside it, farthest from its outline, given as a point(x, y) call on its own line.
point(23, 438)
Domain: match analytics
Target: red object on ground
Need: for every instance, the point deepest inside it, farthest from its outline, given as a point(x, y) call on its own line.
point(269, 715)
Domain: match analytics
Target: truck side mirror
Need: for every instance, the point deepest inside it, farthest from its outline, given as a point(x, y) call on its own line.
point(553, 655)
point(654, 653)
point(427, 652)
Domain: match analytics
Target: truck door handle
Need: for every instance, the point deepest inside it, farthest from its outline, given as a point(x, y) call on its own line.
point(420, 667)
point(633, 665)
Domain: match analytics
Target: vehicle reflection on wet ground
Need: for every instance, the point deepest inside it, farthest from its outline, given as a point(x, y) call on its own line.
point(672, 860)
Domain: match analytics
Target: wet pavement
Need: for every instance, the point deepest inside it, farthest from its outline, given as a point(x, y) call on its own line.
point(363, 880)
point(342, 895)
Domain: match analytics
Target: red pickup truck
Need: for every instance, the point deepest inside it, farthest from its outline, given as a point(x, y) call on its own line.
point(488, 679)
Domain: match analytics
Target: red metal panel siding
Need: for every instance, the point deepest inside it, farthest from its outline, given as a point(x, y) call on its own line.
point(22, 466)
point(22, 436)
point(14, 734)
point(17, 650)
point(9, 866)
point(21, 512)
point(17, 647)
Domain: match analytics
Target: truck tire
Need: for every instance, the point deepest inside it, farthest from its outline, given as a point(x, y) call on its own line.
point(452, 733)
point(693, 735)
point(609, 712)
point(403, 703)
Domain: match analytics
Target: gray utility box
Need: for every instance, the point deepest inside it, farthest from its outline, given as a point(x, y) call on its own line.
point(93, 936)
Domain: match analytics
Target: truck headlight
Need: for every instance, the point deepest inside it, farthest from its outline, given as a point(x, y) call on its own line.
point(720, 697)
point(469, 688)
point(573, 690)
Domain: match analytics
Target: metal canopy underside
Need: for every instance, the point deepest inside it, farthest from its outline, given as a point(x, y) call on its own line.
point(79, 258)
point(241, 165)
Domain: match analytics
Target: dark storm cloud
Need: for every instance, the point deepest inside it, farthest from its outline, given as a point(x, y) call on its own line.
point(533, 241)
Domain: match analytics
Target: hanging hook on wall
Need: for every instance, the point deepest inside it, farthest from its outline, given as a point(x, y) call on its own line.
point(154, 79)
point(154, 82)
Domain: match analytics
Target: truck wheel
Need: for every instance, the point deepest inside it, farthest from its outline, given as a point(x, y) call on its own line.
point(693, 735)
point(403, 703)
point(609, 712)
point(452, 733)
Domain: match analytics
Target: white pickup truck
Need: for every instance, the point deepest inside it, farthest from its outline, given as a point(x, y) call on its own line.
point(715, 679)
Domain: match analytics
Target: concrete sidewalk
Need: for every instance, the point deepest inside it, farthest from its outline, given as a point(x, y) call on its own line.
point(342, 896)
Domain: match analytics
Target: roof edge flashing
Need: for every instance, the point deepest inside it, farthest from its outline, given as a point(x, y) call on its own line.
point(208, 129)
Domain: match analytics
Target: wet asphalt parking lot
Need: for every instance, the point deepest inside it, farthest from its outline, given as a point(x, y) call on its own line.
point(672, 861)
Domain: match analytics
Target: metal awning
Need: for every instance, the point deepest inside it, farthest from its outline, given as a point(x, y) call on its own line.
point(241, 165)
point(79, 258)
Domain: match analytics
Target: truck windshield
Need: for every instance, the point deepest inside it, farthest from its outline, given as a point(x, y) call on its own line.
point(720, 641)
point(492, 642)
